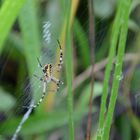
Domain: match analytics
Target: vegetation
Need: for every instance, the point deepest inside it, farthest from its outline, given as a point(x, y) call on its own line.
point(101, 53)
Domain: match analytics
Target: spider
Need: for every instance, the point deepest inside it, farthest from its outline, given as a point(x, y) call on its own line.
point(48, 76)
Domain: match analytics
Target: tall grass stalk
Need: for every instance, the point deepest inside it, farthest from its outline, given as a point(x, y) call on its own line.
point(69, 72)
point(8, 14)
point(30, 34)
point(112, 51)
point(118, 67)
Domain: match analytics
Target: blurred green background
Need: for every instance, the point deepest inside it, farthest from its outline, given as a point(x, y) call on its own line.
point(21, 42)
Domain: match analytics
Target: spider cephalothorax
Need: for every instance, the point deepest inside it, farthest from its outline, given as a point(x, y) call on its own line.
point(47, 70)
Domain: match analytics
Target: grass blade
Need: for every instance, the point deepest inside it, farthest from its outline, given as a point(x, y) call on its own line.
point(8, 14)
point(30, 33)
point(113, 44)
point(69, 72)
point(83, 43)
point(118, 67)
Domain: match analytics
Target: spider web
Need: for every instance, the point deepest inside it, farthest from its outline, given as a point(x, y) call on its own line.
point(29, 86)
point(32, 87)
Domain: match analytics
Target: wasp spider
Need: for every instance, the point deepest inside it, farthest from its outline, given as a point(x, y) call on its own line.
point(48, 75)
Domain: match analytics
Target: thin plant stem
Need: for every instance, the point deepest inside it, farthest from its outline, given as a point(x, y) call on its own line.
point(118, 67)
point(69, 72)
point(112, 51)
point(92, 46)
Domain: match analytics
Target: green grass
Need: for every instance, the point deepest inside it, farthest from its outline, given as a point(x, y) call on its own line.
point(25, 45)
point(30, 34)
point(118, 67)
point(83, 43)
point(112, 51)
point(104, 128)
point(41, 122)
point(69, 72)
point(8, 14)
point(31, 38)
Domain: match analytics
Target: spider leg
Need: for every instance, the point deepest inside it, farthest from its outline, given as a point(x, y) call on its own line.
point(41, 99)
point(43, 95)
point(56, 81)
point(61, 56)
point(39, 62)
point(40, 65)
